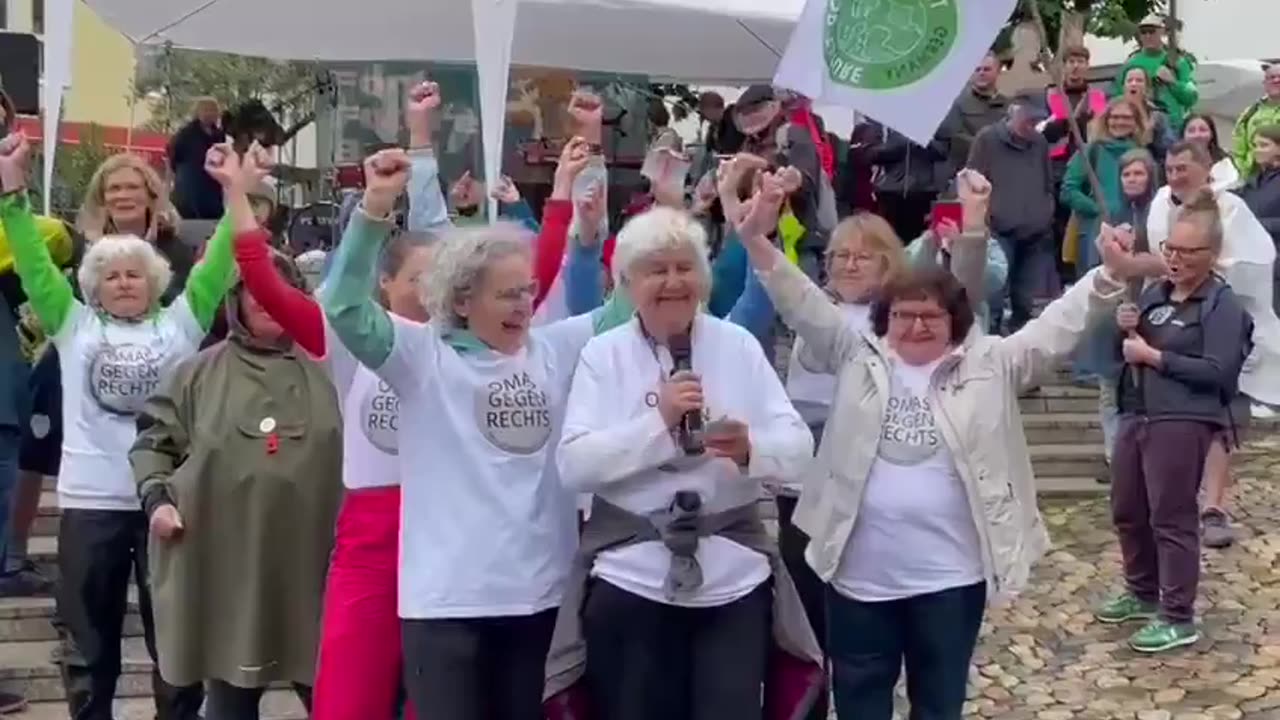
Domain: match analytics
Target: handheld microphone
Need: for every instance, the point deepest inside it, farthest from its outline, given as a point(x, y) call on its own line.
point(690, 432)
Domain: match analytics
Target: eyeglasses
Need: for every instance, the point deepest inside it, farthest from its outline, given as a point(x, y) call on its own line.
point(1173, 251)
point(844, 257)
point(909, 318)
point(518, 294)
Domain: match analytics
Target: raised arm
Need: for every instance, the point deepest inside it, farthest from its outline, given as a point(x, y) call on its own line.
point(347, 297)
point(214, 274)
point(295, 311)
point(428, 210)
point(47, 289)
point(804, 307)
point(1046, 340)
point(558, 214)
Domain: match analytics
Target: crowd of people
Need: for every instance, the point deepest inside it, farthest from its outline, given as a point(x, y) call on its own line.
point(570, 525)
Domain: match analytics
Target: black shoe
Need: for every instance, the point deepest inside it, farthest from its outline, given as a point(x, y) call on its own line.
point(27, 581)
point(11, 703)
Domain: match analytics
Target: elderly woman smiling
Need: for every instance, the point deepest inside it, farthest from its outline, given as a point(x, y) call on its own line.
point(677, 611)
point(118, 346)
point(487, 532)
point(922, 502)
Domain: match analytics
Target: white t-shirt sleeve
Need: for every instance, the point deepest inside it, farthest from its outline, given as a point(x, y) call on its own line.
point(565, 340)
point(180, 314)
point(597, 446)
point(77, 316)
point(781, 442)
point(337, 360)
point(415, 355)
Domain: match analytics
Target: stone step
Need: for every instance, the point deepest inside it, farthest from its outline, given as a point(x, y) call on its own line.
point(1068, 460)
point(30, 619)
point(276, 705)
point(1070, 487)
point(1059, 399)
point(1057, 428)
point(28, 668)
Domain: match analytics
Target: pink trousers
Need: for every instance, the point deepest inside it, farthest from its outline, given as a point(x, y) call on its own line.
point(360, 664)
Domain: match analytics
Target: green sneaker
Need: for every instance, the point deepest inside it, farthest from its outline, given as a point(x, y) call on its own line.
point(1125, 607)
point(1160, 635)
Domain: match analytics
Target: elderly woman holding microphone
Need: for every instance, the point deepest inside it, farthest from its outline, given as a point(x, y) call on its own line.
point(673, 422)
point(921, 504)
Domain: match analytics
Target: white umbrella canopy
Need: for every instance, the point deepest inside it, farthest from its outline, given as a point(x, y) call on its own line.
point(731, 41)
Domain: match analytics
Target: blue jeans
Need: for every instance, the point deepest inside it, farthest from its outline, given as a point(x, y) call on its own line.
point(1031, 274)
point(935, 634)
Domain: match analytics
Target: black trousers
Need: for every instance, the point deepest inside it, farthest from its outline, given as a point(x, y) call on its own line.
point(649, 660)
point(908, 214)
point(792, 543)
point(934, 634)
point(98, 552)
point(229, 702)
point(490, 668)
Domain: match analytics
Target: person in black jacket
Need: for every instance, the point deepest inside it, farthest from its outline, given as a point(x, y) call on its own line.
point(195, 194)
point(1261, 192)
point(911, 176)
point(1190, 337)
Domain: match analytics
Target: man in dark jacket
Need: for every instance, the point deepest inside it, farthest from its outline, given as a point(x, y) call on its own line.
point(758, 114)
point(1014, 157)
point(196, 195)
point(723, 136)
point(979, 106)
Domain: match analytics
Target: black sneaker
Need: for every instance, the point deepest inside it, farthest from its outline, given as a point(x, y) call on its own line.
point(26, 581)
point(11, 703)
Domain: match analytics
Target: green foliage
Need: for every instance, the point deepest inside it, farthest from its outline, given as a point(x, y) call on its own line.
point(177, 77)
point(1104, 18)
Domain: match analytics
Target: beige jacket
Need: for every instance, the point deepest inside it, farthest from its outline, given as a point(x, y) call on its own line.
point(975, 394)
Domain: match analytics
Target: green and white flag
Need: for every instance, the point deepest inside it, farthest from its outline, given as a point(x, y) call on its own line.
point(902, 62)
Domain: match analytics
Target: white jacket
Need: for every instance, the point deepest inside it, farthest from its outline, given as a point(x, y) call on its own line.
point(975, 398)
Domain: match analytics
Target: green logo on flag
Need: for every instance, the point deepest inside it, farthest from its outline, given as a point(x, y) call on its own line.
point(887, 44)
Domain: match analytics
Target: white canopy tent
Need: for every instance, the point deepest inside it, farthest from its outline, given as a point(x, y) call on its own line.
point(728, 41)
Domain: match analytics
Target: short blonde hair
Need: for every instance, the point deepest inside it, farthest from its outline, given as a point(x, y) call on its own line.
point(655, 230)
point(462, 256)
point(94, 222)
point(876, 235)
point(111, 248)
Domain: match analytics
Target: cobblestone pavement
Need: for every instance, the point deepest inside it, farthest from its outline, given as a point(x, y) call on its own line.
point(1045, 658)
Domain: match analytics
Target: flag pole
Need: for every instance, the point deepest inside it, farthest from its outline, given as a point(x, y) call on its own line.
point(1055, 72)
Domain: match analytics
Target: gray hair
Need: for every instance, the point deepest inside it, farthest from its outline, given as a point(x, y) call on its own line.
point(655, 230)
point(111, 248)
point(463, 256)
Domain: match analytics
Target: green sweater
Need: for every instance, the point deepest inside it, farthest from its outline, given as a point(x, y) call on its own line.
point(1260, 115)
point(1177, 98)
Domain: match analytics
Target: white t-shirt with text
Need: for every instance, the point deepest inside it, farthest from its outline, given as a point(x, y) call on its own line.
point(109, 369)
point(486, 529)
point(915, 531)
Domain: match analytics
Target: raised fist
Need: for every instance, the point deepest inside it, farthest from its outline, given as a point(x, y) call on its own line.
point(15, 155)
point(222, 162)
point(386, 173)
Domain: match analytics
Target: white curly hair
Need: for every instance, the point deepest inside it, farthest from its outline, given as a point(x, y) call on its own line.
point(110, 248)
point(462, 256)
point(655, 230)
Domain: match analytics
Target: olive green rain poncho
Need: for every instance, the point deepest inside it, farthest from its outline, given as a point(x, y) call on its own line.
point(246, 442)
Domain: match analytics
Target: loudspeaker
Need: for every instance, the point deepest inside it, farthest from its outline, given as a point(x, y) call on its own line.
point(20, 70)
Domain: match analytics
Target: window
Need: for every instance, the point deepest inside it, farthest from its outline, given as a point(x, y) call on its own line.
point(4, 14)
point(37, 17)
